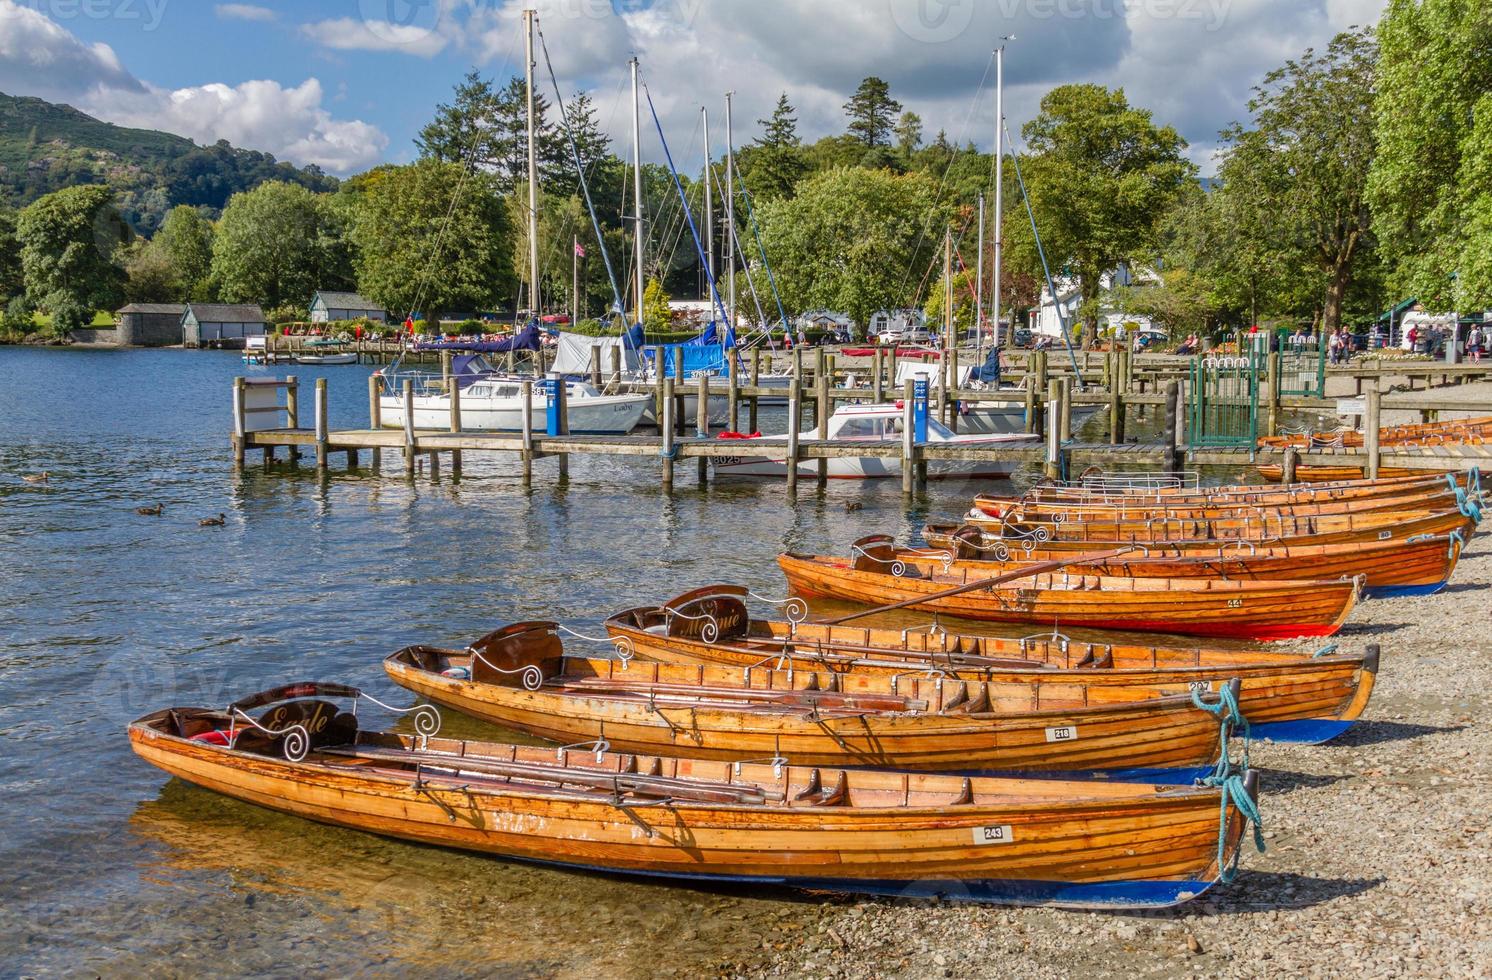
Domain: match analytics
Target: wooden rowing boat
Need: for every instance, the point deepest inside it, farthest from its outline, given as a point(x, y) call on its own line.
point(1450, 522)
point(1294, 697)
point(520, 677)
point(1260, 494)
point(1421, 565)
point(1275, 473)
point(1414, 433)
point(1034, 841)
point(1199, 607)
point(1435, 497)
point(1086, 533)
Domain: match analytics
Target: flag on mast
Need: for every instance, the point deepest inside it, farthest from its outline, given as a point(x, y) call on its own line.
point(579, 249)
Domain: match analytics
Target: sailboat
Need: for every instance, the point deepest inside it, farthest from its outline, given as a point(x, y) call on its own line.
point(490, 401)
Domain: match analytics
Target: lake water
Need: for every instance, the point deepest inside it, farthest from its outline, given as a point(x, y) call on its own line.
point(107, 866)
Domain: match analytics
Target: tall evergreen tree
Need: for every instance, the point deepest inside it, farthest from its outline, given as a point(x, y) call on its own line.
point(909, 134)
point(871, 111)
point(462, 131)
point(776, 160)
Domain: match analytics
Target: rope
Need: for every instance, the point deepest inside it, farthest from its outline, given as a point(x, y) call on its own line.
point(1232, 790)
point(1325, 651)
point(1230, 716)
point(1455, 539)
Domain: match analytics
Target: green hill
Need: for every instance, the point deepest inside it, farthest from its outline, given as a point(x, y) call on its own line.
point(45, 147)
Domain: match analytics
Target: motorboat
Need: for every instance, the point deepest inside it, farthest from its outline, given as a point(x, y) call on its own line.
point(495, 404)
point(878, 425)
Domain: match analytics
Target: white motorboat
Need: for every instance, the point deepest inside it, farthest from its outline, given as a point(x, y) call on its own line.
point(880, 424)
point(319, 359)
point(491, 404)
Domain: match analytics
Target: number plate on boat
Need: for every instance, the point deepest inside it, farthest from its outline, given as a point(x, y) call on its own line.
point(1385, 535)
point(1066, 733)
point(1235, 603)
point(1200, 687)
point(993, 835)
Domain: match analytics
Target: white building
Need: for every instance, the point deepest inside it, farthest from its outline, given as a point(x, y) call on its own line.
point(1044, 319)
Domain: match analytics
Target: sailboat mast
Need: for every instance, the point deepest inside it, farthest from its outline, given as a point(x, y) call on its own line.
point(638, 228)
point(533, 170)
point(950, 335)
point(979, 283)
point(730, 215)
point(704, 114)
point(999, 188)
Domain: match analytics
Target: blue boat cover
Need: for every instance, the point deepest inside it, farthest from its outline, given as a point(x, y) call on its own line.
point(989, 371)
point(525, 339)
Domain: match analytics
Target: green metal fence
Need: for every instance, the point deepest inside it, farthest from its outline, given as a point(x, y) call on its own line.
point(1224, 406)
point(1303, 369)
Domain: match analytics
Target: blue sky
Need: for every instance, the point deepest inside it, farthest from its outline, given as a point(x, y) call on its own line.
point(347, 84)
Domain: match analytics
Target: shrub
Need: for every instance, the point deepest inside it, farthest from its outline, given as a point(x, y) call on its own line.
point(471, 328)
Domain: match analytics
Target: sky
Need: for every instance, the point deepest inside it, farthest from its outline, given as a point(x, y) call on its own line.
point(347, 84)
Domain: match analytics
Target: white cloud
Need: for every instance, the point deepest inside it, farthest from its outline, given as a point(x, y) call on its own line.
point(263, 115)
point(354, 34)
point(40, 57)
point(245, 11)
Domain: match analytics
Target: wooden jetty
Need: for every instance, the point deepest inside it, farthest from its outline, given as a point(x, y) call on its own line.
point(267, 418)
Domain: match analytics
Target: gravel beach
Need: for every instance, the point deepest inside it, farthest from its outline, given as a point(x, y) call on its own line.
point(1378, 850)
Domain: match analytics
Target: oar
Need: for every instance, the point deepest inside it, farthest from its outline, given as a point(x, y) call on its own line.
point(1027, 572)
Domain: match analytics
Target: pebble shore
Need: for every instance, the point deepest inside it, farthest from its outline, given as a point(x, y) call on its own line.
point(1379, 859)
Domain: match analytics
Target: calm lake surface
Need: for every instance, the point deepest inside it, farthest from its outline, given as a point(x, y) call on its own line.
point(107, 866)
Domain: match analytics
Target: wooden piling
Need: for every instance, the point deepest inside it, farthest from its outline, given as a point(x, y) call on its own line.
point(665, 428)
point(732, 391)
point(615, 374)
point(1272, 395)
point(560, 393)
point(240, 424)
point(794, 420)
point(823, 425)
point(702, 421)
point(1171, 425)
point(1065, 415)
point(908, 443)
point(1292, 460)
point(455, 427)
point(321, 426)
point(877, 383)
point(375, 414)
point(596, 367)
point(1116, 408)
point(292, 402)
point(756, 380)
point(526, 390)
point(1371, 431)
point(409, 428)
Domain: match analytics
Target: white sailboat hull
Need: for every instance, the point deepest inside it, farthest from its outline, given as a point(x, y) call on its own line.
point(604, 415)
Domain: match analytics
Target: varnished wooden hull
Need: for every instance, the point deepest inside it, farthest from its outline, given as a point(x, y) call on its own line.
point(1198, 607)
point(1094, 536)
point(1275, 473)
point(1258, 493)
point(1287, 697)
point(1126, 730)
point(1440, 497)
point(1015, 841)
point(1419, 566)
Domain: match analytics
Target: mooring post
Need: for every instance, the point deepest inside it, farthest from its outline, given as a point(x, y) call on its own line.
point(1116, 410)
point(321, 426)
point(1292, 460)
point(733, 391)
point(891, 367)
point(702, 421)
point(560, 392)
point(660, 371)
point(455, 427)
point(794, 420)
point(409, 428)
point(375, 415)
point(876, 381)
point(615, 375)
point(526, 454)
point(1066, 415)
point(1371, 432)
point(445, 370)
point(908, 442)
point(240, 424)
point(1272, 394)
point(1171, 425)
point(823, 425)
point(756, 380)
point(596, 366)
point(665, 426)
point(292, 402)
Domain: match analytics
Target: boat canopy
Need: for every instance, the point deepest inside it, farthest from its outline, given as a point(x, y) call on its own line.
point(989, 372)
point(574, 353)
point(525, 339)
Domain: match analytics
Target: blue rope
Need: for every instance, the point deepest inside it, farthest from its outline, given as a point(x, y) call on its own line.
point(688, 214)
point(1230, 716)
point(1325, 651)
point(616, 294)
point(1456, 538)
point(1232, 790)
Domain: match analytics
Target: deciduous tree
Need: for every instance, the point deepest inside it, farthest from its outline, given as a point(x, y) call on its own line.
point(186, 238)
point(279, 243)
point(69, 241)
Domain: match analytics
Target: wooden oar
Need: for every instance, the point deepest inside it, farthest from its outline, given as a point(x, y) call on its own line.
point(1027, 572)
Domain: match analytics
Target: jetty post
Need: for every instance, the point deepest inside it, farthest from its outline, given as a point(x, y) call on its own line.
point(908, 442)
point(821, 413)
point(1171, 430)
point(596, 366)
point(455, 427)
point(702, 421)
point(240, 425)
point(733, 392)
point(292, 413)
point(665, 429)
point(526, 390)
point(409, 428)
point(756, 380)
point(794, 420)
point(875, 375)
point(1370, 431)
point(375, 415)
point(321, 426)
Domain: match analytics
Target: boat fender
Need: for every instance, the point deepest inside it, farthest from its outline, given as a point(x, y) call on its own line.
point(457, 673)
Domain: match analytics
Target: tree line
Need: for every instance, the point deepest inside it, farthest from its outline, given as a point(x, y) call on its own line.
point(1362, 176)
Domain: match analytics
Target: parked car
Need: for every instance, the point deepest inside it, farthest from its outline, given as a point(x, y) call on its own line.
point(908, 334)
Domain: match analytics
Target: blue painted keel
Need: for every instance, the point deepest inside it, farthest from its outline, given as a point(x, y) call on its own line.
point(1403, 591)
point(1307, 731)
